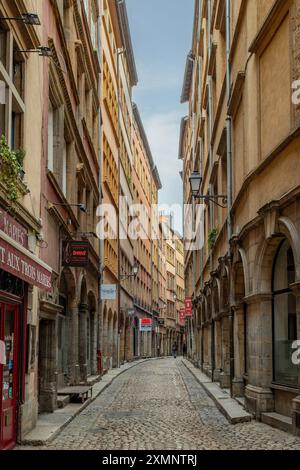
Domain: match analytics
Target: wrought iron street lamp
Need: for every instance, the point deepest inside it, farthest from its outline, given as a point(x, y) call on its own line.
point(195, 183)
point(31, 19)
point(81, 206)
point(134, 273)
point(42, 51)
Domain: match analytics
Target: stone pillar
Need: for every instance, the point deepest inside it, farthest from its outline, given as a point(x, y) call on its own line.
point(258, 394)
point(225, 330)
point(218, 350)
point(115, 345)
point(238, 388)
point(296, 401)
point(82, 341)
point(47, 366)
point(73, 361)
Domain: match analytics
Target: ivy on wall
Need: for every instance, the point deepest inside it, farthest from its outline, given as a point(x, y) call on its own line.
point(11, 169)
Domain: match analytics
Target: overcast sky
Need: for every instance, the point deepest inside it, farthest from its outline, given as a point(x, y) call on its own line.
point(161, 33)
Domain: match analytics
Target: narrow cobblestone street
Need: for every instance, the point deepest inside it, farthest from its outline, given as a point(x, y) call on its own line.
point(158, 405)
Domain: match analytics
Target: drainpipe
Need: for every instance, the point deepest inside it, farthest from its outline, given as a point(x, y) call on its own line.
point(229, 171)
point(100, 349)
point(211, 206)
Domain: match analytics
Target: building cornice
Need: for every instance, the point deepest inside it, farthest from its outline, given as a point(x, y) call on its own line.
point(126, 36)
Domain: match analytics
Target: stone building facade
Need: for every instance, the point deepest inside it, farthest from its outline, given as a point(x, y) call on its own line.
point(241, 136)
point(69, 320)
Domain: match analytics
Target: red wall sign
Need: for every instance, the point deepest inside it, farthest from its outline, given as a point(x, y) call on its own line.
point(182, 315)
point(24, 267)
point(146, 324)
point(13, 229)
point(188, 307)
point(75, 254)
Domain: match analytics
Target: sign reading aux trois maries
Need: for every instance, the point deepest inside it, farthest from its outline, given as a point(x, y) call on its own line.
point(16, 259)
point(13, 229)
point(24, 266)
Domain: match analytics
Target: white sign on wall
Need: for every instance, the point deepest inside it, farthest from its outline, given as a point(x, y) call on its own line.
point(108, 292)
point(2, 353)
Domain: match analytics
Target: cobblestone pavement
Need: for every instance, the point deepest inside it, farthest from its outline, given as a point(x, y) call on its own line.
point(159, 405)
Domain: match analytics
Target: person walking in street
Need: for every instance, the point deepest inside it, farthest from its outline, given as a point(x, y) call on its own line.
point(174, 350)
point(184, 350)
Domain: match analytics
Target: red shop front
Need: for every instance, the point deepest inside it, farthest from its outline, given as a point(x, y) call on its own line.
point(18, 269)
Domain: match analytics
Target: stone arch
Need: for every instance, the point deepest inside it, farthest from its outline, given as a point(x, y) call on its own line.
point(267, 251)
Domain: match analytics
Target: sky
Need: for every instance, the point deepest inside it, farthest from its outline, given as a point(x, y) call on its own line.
point(161, 32)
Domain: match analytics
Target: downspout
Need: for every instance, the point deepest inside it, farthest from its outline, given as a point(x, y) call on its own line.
point(229, 173)
point(100, 349)
point(211, 205)
point(119, 52)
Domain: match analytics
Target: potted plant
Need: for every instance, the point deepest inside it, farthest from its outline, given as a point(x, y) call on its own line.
point(212, 236)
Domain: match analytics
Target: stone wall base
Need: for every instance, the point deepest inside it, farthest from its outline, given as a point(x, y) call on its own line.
point(238, 388)
point(259, 400)
point(216, 376)
point(296, 416)
point(224, 380)
point(27, 418)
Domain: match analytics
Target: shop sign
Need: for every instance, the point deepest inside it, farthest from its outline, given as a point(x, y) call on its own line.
point(188, 307)
point(161, 321)
point(75, 254)
point(182, 315)
point(2, 353)
point(24, 266)
point(13, 229)
point(146, 324)
point(108, 292)
point(131, 312)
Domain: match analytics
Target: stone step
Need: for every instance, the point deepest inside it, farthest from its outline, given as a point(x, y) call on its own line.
point(63, 401)
point(277, 420)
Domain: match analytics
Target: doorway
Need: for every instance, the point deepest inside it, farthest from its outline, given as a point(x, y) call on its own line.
point(9, 315)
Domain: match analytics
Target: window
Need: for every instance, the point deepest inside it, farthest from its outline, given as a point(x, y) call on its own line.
point(284, 317)
point(12, 105)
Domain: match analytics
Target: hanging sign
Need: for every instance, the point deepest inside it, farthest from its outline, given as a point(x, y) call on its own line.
point(2, 353)
point(75, 254)
point(182, 315)
point(188, 307)
point(146, 324)
point(108, 291)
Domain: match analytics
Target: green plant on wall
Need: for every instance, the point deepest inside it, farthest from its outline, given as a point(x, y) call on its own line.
point(11, 168)
point(212, 236)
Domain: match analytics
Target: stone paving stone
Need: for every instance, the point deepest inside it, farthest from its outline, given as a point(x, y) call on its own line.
point(159, 405)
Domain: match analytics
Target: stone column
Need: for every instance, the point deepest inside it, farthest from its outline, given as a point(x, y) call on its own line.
point(73, 361)
point(82, 341)
point(296, 401)
point(225, 374)
point(218, 350)
point(47, 364)
point(258, 394)
point(239, 350)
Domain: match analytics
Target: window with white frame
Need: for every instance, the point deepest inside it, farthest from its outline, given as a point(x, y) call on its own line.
point(12, 106)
